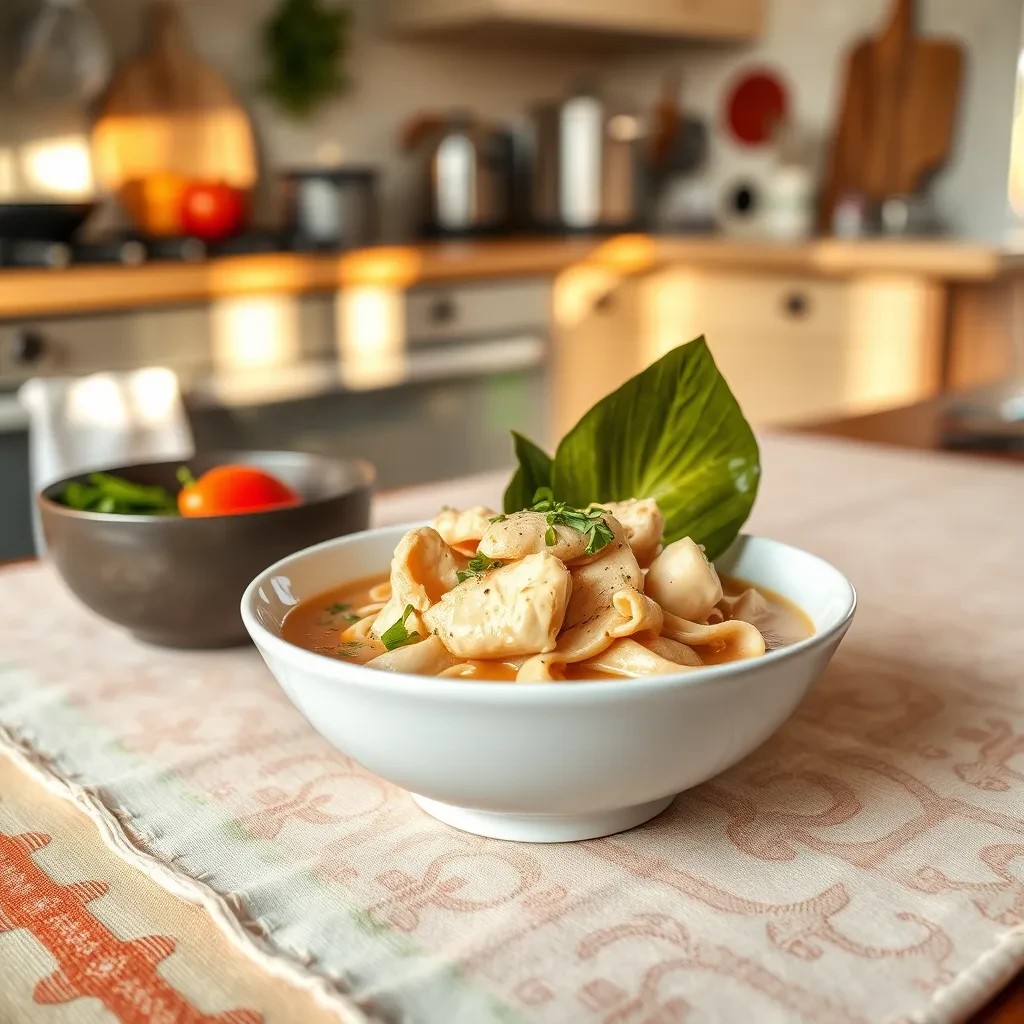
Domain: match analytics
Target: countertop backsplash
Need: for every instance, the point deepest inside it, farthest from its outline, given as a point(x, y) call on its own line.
point(392, 79)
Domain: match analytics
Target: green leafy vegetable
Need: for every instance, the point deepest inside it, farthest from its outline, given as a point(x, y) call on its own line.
point(105, 492)
point(533, 473)
point(396, 635)
point(589, 522)
point(674, 433)
point(497, 519)
point(478, 565)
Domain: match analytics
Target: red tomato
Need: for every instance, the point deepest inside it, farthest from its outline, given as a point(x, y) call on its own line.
point(229, 490)
point(212, 211)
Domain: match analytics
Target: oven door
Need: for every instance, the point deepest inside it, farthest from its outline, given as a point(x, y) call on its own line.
point(448, 414)
point(15, 493)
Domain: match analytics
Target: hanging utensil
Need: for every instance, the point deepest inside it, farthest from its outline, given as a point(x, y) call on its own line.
point(62, 54)
point(167, 110)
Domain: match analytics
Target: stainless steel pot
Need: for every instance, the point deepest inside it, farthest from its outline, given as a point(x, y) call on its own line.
point(589, 169)
point(332, 207)
point(467, 175)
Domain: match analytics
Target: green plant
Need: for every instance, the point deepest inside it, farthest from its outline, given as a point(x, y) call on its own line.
point(304, 43)
point(673, 433)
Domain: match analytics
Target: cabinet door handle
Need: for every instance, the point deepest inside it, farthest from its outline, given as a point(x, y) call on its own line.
point(29, 347)
point(442, 311)
point(796, 305)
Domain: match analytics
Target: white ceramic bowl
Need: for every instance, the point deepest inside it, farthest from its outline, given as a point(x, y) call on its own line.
point(546, 763)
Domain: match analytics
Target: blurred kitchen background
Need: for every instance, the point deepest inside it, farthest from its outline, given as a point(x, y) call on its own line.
point(400, 228)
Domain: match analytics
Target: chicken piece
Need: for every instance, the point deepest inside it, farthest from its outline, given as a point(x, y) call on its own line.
point(423, 569)
point(517, 609)
point(684, 582)
point(525, 533)
point(606, 603)
point(463, 528)
point(644, 525)
point(595, 583)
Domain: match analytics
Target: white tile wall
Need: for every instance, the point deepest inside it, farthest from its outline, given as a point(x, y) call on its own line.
point(806, 40)
point(392, 80)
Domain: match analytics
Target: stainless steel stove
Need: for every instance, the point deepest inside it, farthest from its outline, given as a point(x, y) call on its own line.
point(132, 250)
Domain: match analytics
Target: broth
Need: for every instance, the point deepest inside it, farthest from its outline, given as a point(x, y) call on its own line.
point(316, 624)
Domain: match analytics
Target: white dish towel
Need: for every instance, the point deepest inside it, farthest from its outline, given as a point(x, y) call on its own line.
point(102, 420)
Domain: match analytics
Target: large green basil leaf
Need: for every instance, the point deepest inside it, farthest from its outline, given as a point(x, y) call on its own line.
point(673, 433)
point(534, 471)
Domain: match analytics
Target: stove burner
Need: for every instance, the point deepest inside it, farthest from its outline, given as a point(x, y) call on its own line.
point(23, 253)
point(133, 250)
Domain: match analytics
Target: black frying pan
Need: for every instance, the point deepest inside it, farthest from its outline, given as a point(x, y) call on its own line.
point(44, 222)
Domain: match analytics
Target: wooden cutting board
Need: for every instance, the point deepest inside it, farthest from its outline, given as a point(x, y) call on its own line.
point(898, 112)
point(168, 111)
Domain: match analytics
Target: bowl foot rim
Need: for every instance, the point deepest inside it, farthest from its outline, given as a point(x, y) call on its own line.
point(190, 642)
point(542, 828)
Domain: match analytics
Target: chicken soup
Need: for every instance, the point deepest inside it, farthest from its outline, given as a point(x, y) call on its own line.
point(547, 596)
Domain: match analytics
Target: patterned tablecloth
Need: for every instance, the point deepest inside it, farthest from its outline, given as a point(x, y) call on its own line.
point(865, 865)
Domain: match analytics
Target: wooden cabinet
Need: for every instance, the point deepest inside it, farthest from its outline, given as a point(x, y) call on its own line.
point(794, 348)
point(611, 19)
point(798, 348)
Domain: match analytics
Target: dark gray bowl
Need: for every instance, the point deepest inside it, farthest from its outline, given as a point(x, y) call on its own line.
point(178, 582)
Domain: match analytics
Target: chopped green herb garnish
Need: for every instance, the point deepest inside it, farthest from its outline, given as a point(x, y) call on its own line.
point(349, 649)
point(396, 635)
point(589, 522)
point(478, 565)
point(498, 518)
point(340, 608)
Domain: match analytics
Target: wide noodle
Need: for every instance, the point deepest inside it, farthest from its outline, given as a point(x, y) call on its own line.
point(476, 595)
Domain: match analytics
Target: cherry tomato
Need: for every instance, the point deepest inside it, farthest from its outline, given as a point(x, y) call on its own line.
point(230, 490)
point(212, 210)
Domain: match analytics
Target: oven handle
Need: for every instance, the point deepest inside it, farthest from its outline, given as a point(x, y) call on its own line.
point(407, 367)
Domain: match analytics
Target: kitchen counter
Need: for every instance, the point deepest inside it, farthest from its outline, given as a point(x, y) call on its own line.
point(27, 293)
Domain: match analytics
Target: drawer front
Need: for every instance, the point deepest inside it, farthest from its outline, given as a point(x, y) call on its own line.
point(783, 379)
point(764, 303)
point(439, 313)
point(800, 348)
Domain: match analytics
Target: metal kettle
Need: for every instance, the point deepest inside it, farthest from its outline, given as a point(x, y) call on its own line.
point(589, 167)
point(467, 174)
point(53, 62)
